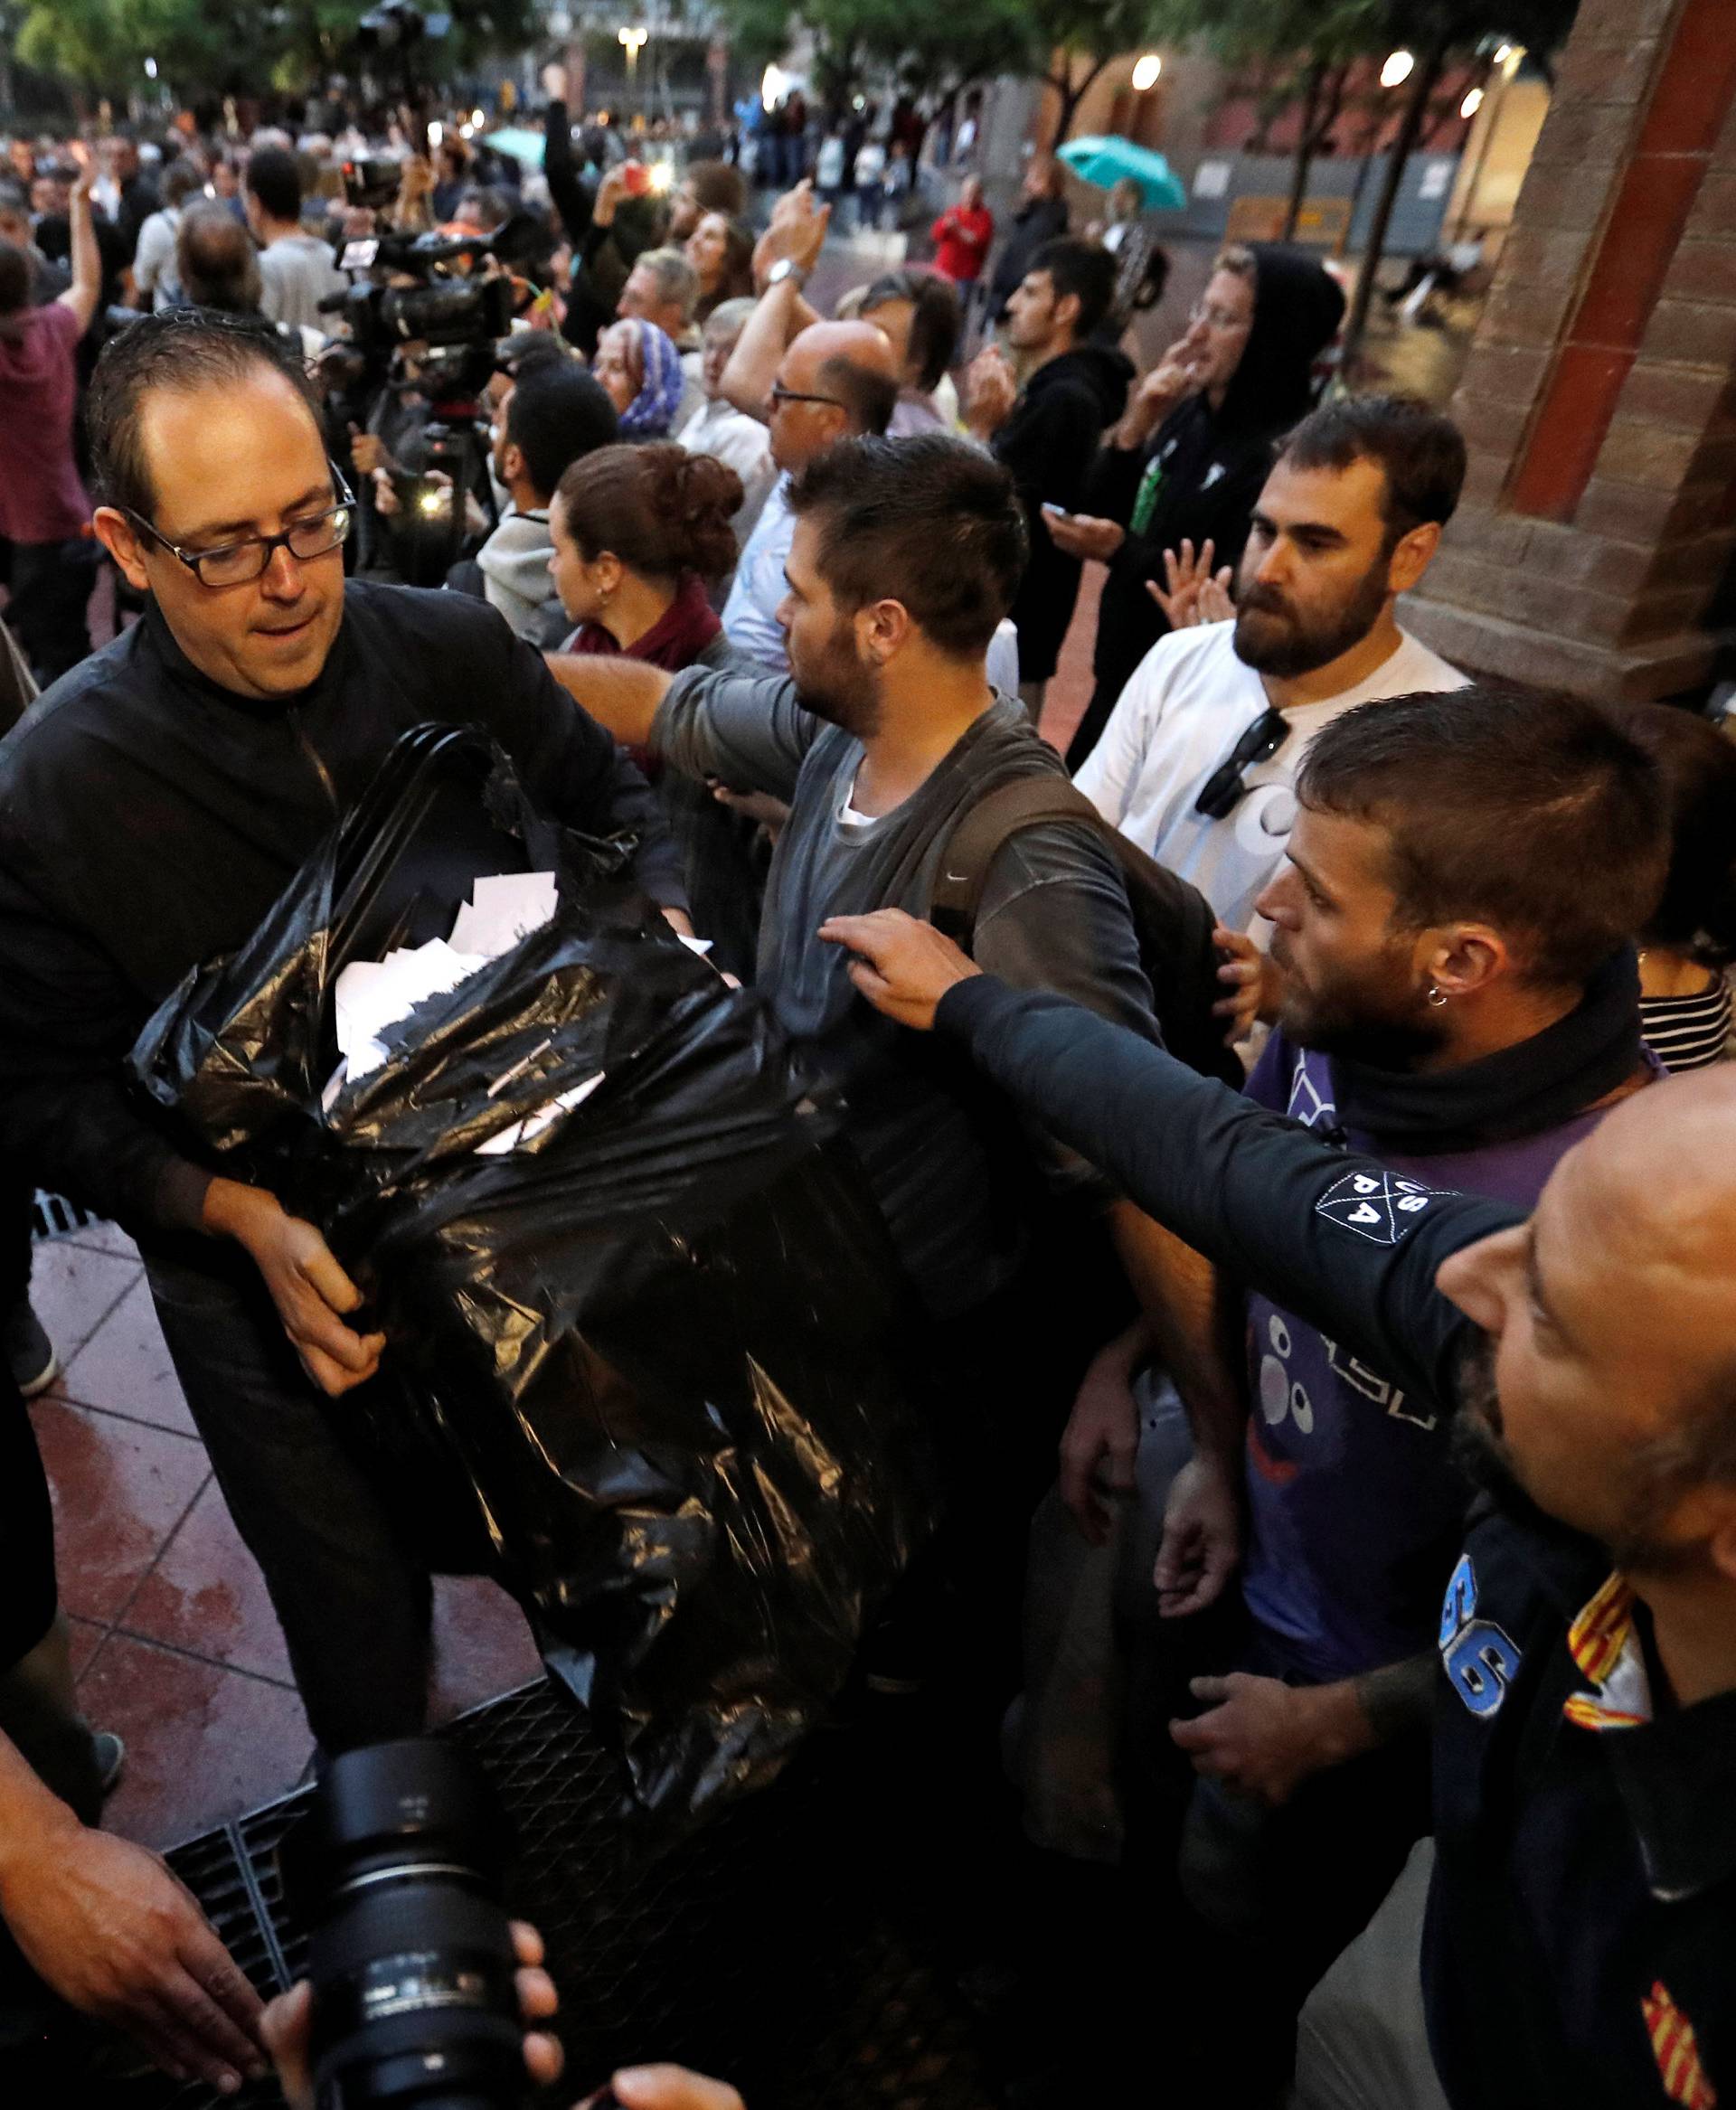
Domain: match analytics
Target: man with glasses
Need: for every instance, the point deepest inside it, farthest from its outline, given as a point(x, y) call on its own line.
point(153, 806)
point(811, 383)
point(1197, 761)
point(1188, 457)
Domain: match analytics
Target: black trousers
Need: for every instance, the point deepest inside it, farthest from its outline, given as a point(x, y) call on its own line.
point(47, 611)
point(349, 1590)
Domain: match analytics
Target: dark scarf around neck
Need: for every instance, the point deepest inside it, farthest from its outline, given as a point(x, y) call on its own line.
point(1517, 1091)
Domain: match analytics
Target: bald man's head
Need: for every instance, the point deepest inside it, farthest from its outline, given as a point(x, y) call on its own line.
point(1610, 1392)
point(836, 380)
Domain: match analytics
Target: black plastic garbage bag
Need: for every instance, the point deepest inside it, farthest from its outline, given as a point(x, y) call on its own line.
point(657, 1345)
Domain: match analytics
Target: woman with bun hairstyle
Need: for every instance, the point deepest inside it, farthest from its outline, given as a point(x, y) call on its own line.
point(638, 530)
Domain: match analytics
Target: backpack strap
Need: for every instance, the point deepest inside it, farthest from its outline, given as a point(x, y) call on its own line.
point(1172, 919)
point(1027, 801)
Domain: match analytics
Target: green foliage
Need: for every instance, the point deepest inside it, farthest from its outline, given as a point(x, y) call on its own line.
point(937, 48)
point(238, 45)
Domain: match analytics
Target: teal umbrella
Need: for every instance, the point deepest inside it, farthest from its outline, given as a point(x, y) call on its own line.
point(1108, 162)
point(522, 145)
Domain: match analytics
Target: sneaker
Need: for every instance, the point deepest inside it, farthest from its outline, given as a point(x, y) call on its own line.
point(110, 1755)
point(30, 1353)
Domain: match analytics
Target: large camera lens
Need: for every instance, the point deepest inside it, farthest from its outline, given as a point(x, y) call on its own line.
point(395, 1872)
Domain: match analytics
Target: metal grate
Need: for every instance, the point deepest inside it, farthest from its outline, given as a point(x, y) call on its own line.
point(750, 1949)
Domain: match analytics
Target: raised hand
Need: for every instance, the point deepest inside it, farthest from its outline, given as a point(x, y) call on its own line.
point(1190, 587)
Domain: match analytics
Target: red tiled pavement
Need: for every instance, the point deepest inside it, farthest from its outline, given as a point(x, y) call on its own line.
point(206, 1595)
point(125, 1367)
point(119, 1491)
point(203, 1743)
point(175, 1643)
point(1069, 689)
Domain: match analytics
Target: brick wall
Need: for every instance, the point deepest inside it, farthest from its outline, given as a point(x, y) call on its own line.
point(1599, 398)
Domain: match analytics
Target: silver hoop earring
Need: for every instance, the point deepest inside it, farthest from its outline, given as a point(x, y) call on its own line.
point(1437, 998)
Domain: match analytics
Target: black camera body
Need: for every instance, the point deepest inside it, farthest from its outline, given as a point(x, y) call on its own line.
point(396, 1873)
point(443, 310)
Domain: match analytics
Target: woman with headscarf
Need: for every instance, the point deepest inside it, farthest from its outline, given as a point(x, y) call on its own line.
point(640, 371)
point(1191, 452)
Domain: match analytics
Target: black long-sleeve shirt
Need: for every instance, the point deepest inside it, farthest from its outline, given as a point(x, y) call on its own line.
point(1211, 476)
point(1583, 1916)
point(148, 819)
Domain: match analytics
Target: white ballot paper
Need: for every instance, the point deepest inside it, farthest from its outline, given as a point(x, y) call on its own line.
point(503, 908)
point(372, 995)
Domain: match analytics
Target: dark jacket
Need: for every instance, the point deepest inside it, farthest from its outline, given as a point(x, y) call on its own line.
point(1582, 1913)
point(1214, 463)
point(149, 818)
point(1036, 221)
point(602, 256)
point(1049, 443)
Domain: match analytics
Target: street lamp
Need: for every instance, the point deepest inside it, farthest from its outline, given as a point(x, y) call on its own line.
point(1145, 72)
point(1398, 69)
point(635, 41)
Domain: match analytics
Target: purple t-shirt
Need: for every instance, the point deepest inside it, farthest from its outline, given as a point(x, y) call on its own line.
point(1355, 1514)
point(42, 499)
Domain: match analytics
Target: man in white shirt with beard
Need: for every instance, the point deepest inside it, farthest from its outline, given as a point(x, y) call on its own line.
point(1200, 755)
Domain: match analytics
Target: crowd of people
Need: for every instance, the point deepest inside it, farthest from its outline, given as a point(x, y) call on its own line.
point(1279, 1136)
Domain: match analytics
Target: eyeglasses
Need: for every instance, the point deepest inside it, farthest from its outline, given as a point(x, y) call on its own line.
point(240, 563)
point(1227, 786)
point(780, 394)
point(1218, 318)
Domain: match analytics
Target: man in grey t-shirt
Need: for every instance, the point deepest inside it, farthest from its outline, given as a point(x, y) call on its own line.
point(884, 739)
point(905, 557)
point(296, 270)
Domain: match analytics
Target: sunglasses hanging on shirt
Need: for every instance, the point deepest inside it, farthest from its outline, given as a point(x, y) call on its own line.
point(1227, 786)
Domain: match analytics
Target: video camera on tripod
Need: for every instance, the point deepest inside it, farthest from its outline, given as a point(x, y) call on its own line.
point(459, 318)
point(439, 338)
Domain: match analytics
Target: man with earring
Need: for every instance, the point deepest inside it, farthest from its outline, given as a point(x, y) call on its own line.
point(1455, 992)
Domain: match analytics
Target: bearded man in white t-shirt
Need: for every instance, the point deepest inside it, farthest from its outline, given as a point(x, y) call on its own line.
point(1200, 755)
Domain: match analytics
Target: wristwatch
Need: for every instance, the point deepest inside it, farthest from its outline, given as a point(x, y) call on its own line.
point(786, 268)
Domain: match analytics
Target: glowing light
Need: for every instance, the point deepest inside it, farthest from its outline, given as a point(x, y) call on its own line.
point(1510, 64)
point(478, 118)
point(1145, 71)
point(150, 69)
point(1398, 67)
point(774, 85)
point(634, 39)
point(1502, 52)
point(1472, 103)
point(662, 176)
point(465, 131)
point(436, 132)
point(432, 502)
